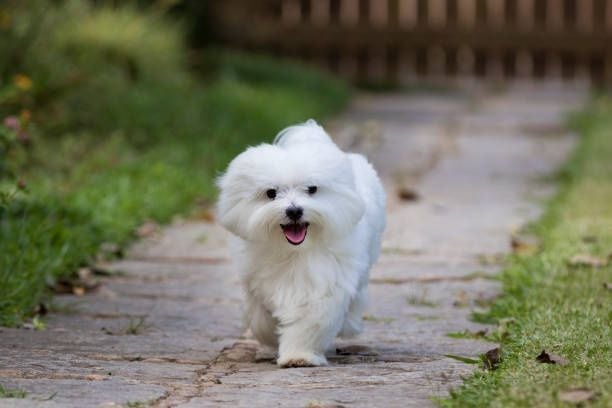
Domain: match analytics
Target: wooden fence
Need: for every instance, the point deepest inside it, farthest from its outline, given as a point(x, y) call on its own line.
point(403, 41)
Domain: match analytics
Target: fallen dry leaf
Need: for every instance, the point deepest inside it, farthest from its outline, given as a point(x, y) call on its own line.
point(356, 350)
point(84, 273)
point(95, 377)
point(78, 290)
point(607, 285)
point(587, 260)
point(577, 395)
point(76, 286)
point(41, 309)
point(492, 358)
point(205, 215)
point(525, 244)
point(319, 404)
point(147, 229)
point(550, 358)
point(407, 194)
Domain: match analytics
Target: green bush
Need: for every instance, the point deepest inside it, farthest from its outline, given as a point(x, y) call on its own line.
point(74, 54)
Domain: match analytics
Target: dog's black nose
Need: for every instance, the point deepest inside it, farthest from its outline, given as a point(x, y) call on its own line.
point(294, 213)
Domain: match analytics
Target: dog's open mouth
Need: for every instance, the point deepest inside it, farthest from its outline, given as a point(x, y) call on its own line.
point(295, 232)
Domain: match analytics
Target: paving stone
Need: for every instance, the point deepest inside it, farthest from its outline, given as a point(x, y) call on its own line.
point(112, 392)
point(359, 385)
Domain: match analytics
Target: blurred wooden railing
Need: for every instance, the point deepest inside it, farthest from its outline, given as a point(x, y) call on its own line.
point(403, 41)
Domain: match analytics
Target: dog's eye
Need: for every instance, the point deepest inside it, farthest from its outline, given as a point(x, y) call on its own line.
point(271, 193)
point(312, 189)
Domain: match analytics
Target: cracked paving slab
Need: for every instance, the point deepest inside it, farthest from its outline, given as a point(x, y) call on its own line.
point(165, 329)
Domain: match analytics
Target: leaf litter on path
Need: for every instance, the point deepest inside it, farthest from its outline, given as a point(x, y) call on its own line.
point(83, 283)
point(408, 194)
point(206, 215)
point(147, 229)
point(491, 359)
point(550, 358)
point(525, 244)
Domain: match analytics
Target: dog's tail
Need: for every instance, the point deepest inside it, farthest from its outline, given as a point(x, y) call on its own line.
point(307, 132)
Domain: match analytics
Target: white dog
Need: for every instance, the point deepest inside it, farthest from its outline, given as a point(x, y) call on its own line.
point(310, 219)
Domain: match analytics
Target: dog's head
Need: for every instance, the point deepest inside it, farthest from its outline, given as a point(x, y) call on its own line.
point(296, 192)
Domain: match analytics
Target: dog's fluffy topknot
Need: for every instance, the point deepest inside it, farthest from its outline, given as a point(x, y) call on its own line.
point(307, 132)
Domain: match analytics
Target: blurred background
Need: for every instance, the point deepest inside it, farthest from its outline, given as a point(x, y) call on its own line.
point(117, 115)
point(403, 41)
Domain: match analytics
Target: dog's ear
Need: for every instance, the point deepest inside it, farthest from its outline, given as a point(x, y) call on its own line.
point(231, 197)
point(223, 202)
point(237, 188)
point(353, 207)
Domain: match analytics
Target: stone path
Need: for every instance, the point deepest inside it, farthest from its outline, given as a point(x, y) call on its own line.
point(165, 330)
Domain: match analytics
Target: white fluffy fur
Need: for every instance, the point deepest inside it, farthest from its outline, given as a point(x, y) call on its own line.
point(299, 298)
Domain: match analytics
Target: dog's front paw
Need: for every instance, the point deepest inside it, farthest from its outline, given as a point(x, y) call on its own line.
point(301, 360)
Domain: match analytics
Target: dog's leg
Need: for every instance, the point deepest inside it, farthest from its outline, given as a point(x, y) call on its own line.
point(310, 331)
point(353, 323)
point(262, 323)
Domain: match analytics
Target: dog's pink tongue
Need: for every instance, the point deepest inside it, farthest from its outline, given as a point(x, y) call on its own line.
point(295, 233)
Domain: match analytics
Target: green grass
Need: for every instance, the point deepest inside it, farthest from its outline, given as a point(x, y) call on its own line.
point(122, 131)
point(137, 404)
point(11, 393)
point(563, 309)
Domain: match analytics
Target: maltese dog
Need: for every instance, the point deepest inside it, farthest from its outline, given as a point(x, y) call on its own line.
point(309, 219)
